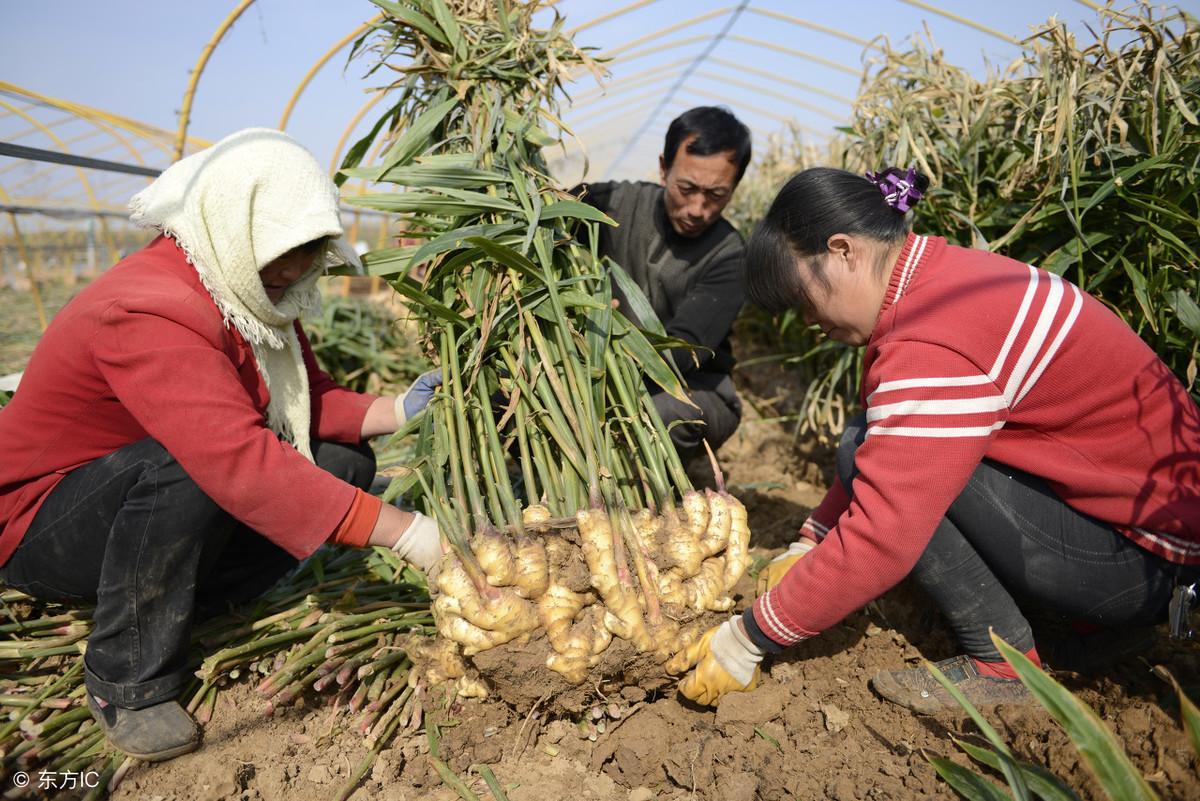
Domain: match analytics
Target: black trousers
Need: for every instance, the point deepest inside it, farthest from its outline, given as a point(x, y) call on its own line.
point(720, 412)
point(133, 534)
point(1008, 544)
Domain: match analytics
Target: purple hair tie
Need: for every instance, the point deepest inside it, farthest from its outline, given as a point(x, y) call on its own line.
point(899, 193)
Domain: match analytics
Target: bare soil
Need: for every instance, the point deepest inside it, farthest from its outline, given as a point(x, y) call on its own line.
point(813, 729)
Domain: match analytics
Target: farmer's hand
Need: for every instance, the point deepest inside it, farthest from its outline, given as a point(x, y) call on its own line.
point(417, 396)
point(420, 543)
point(725, 661)
point(774, 571)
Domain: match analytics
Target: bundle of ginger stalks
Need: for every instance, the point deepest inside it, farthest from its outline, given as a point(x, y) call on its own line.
point(569, 517)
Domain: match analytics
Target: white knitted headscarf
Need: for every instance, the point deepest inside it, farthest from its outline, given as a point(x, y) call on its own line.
point(233, 209)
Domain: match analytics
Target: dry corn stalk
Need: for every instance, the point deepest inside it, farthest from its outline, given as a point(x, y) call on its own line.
point(544, 416)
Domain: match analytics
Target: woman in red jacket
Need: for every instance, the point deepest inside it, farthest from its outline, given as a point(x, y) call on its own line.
point(173, 445)
point(1022, 450)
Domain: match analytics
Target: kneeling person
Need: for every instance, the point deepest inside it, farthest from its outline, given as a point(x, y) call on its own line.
point(687, 260)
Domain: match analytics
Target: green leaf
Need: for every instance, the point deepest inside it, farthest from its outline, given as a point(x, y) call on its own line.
point(1007, 762)
point(508, 257)
point(1187, 709)
point(409, 289)
point(413, 18)
point(642, 312)
point(1043, 783)
point(969, 785)
point(574, 210)
point(449, 203)
point(389, 261)
point(452, 240)
point(1096, 743)
point(403, 483)
point(416, 137)
point(430, 175)
point(1122, 177)
point(634, 345)
point(1185, 309)
point(445, 20)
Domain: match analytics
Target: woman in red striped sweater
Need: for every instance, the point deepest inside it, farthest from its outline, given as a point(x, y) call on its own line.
point(1022, 450)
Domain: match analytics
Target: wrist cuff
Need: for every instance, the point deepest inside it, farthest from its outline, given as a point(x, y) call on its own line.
point(755, 633)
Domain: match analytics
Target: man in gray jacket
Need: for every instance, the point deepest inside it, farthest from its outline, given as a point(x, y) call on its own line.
point(687, 260)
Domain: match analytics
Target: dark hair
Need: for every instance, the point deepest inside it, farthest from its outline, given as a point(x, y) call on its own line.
point(813, 206)
point(715, 129)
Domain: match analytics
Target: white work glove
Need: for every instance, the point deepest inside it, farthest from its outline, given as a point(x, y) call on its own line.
point(421, 542)
point(725, 661)
point(417, 397)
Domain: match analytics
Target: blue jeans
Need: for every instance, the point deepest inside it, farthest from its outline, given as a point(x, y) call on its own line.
point(133, 534)
point(1008, 544)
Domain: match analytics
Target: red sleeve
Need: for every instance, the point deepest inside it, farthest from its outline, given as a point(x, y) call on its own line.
point(826, 515)
point(182, 388)
point(930, 416)
point(337, 412)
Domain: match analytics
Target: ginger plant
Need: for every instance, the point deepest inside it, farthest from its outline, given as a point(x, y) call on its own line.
point(543, 454)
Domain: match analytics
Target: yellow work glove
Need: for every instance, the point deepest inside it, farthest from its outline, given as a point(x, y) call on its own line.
point(775, 570)
point(725, 661)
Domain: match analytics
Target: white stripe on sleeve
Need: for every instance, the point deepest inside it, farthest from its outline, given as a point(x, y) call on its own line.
point(990, 403)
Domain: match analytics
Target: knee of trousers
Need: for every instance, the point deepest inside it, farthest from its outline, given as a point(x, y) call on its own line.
point(683, 434)
point(169, 481)
point(354, 464)
point(848, 445)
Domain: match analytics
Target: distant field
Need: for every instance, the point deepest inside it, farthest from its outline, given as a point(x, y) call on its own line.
point(19, 329)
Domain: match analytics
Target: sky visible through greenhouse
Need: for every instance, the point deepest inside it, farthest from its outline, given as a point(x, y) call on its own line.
point(133, 59)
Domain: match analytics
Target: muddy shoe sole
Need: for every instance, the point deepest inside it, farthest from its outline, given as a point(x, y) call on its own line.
point(154, 734)
point(918, 690)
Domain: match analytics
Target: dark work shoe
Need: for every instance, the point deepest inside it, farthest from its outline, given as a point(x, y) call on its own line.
point(919, 691)
point(156, 733)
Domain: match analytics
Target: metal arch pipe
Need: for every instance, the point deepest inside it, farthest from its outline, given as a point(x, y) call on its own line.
point(358, 115)
point(687, 23)
point(623, 10)
point(814, 108)
point(970, 23)
point(661, 47)
point(87, 187)
point(159, 137)
point(190, 93)
point(604, 89)
point(599, 112)
point(733, 65)
point(756, 109)
point(320, 63)
point(814, 26)
point(791, 51)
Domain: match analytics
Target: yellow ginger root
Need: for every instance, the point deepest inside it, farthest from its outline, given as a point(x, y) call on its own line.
point(558, 608)
point(670, 587)
point(648, 527)
point(716, 535)
point(452, 626)
point(436, 660)
point(624, 616)
point(680, 546)
point(588, 638)
point(706, 590)
point(534, 515)
point(533, 574)
point(695, 513)
point(495, 557)
point(471, 687)
point(507, 612)
point(737, 553)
